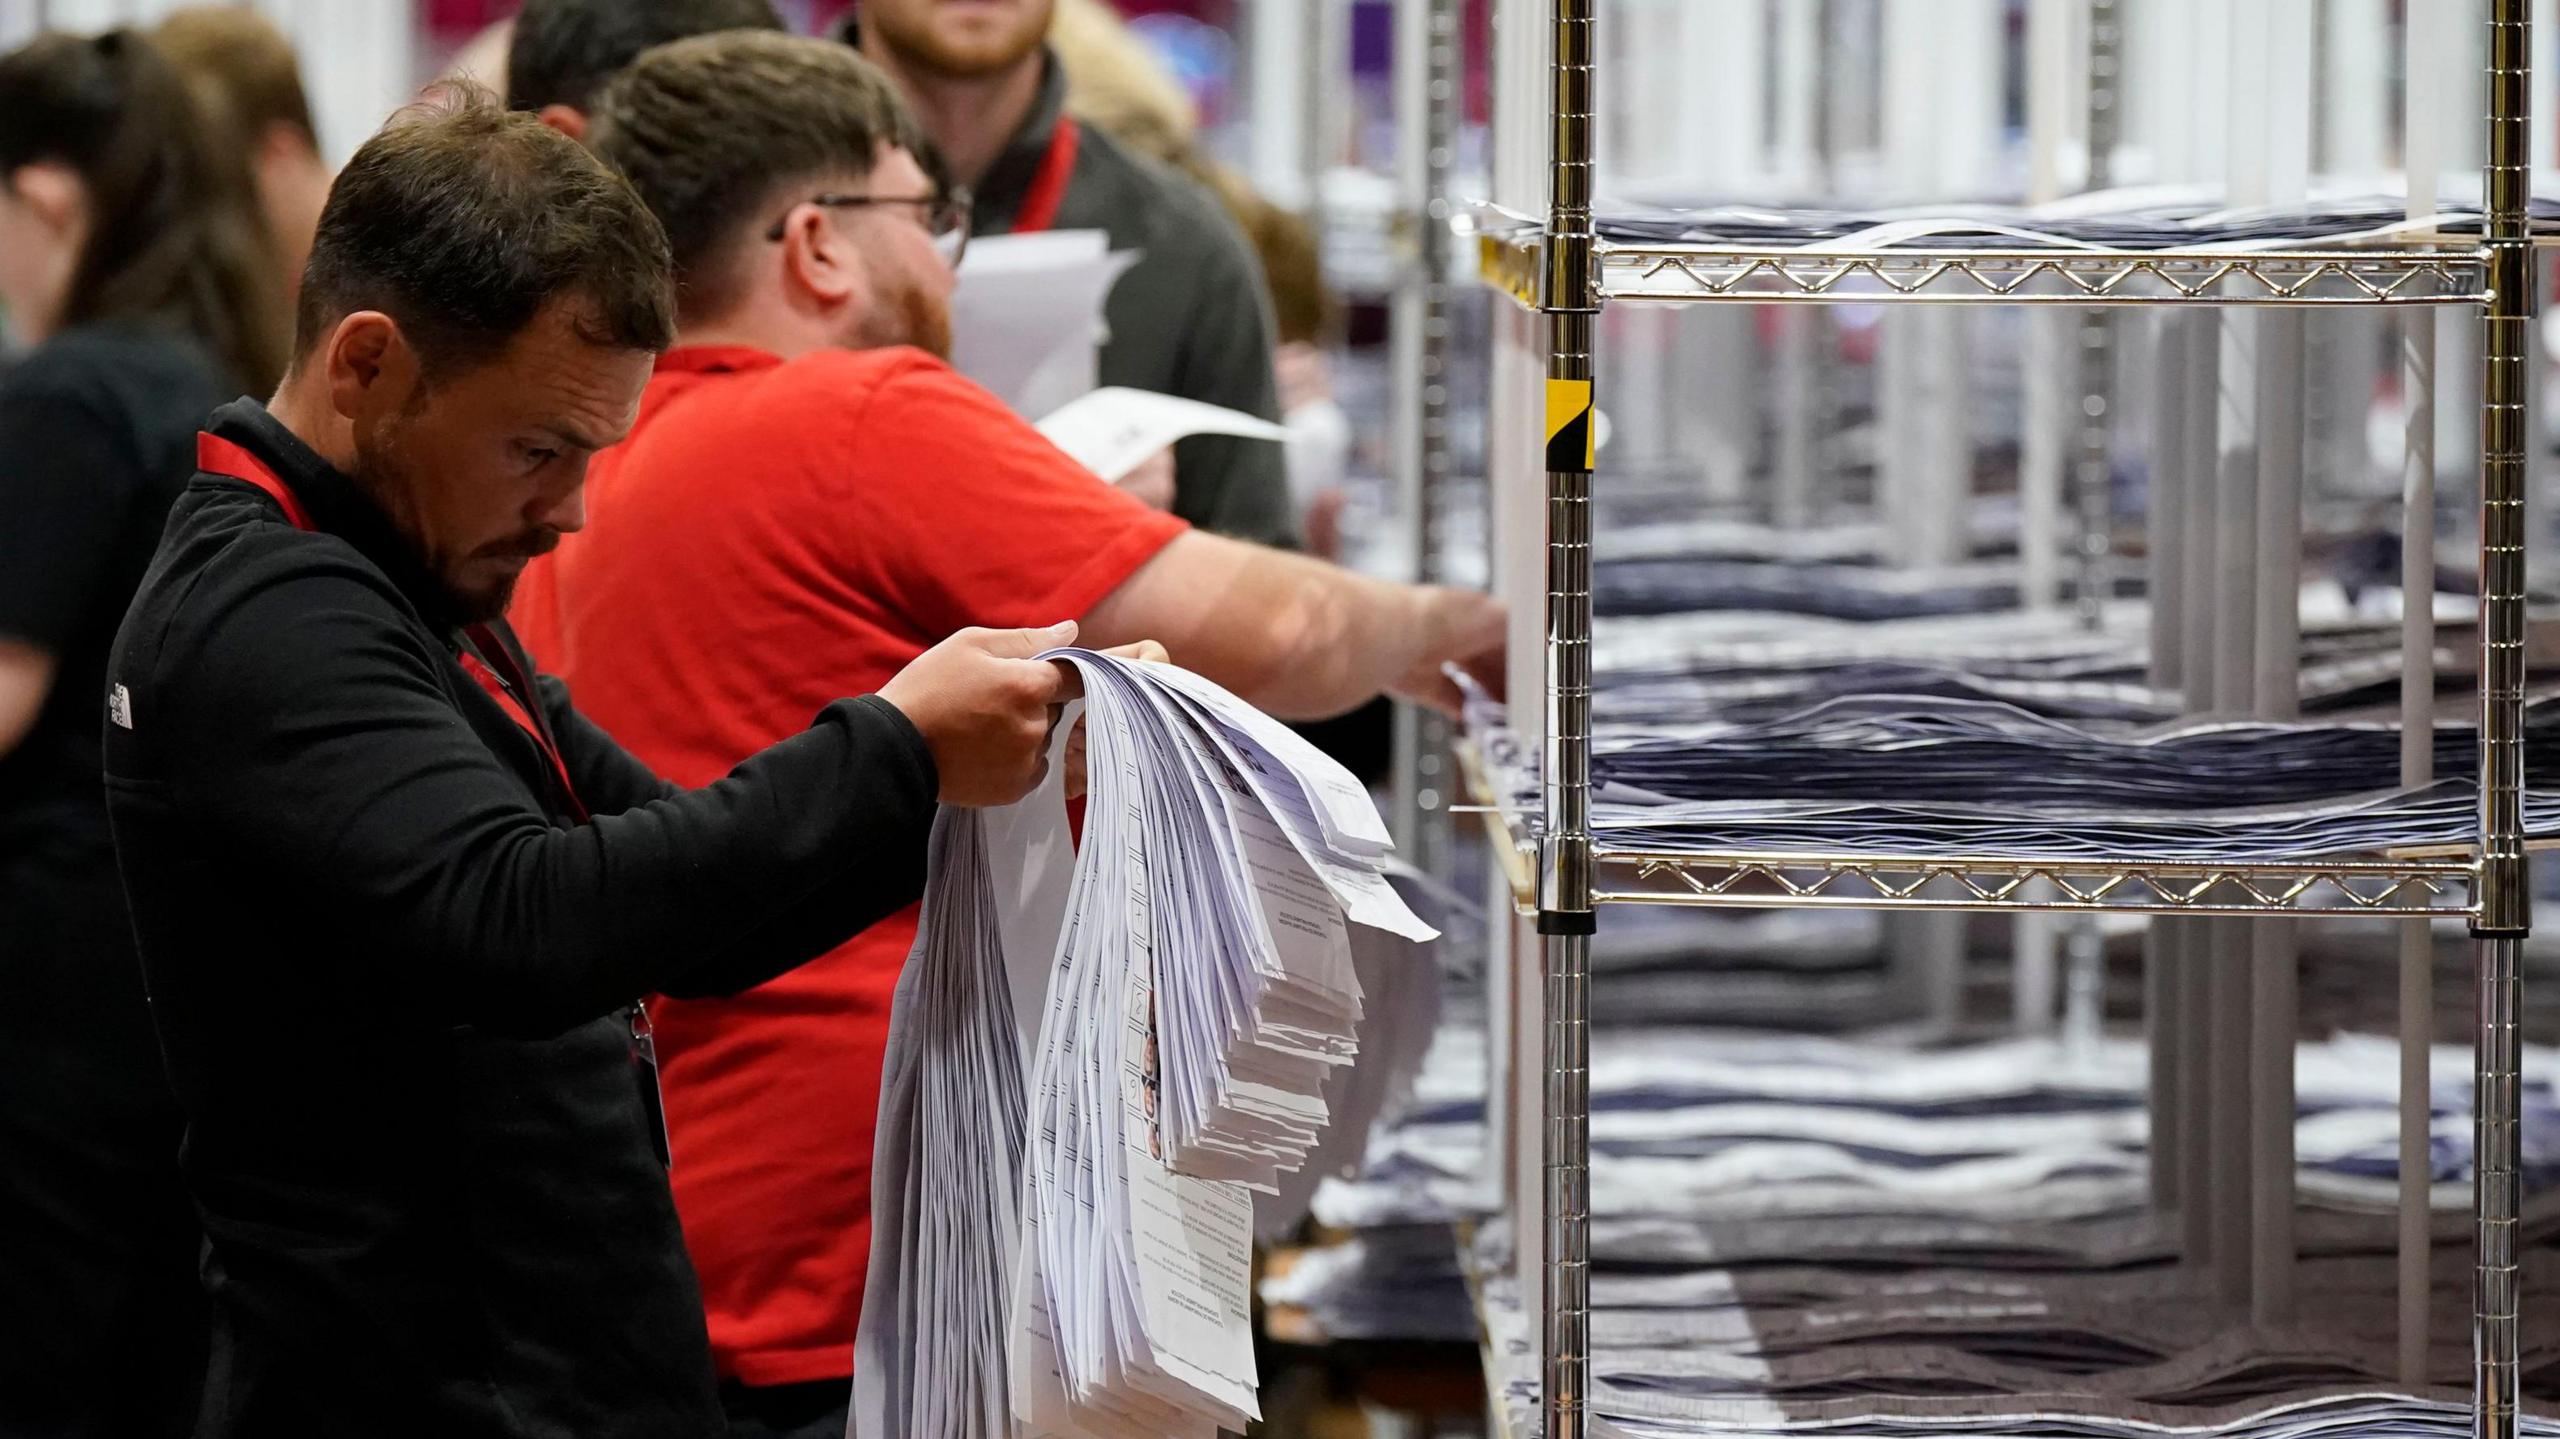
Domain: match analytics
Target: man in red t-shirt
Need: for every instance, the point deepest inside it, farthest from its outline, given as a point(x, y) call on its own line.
point(810, 498)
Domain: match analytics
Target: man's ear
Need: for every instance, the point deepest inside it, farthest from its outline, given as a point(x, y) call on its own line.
point(819, 264)
point(372, 370)
point(567, 119)
point(282, 144)
point(52, 191)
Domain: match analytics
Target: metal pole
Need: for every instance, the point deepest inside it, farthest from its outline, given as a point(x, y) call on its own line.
point(1429, 72)
point(2422, 158)
point(2229, 1095)
point(1276, 52)
point(2505, 901)
point(2193, 986)
point(2274, 1005)
point(1801, 399)
point(2050, 62)
point(2092, 471)
point(1572, 304)
point(2093, 485)
point(2168, 954)
point(2417, 767)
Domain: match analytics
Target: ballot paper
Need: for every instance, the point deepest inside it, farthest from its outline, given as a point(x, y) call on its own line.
point(2341, 212)
point(1100, 1053)
point(1115, 429)
point(1892, 774)
point(1400, 987)
point(1026, 316)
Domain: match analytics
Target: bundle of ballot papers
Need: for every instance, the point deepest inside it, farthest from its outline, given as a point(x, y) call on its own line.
point(1099, 1052)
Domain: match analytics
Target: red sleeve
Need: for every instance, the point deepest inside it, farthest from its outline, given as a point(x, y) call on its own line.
point(968, 516)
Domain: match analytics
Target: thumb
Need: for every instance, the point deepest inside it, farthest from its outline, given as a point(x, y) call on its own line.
point(1023, 644)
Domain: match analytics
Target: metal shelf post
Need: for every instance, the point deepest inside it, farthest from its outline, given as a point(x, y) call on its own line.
point(1571, 302)
point(1428, 79)
point(2505, 899)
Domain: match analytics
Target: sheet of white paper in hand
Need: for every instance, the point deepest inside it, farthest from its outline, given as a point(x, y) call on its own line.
point(930, 1350)
point(1026, 316)
point(1342, 805)
point(1090, 1271)
point(1279, 1011)
point(1400, 982)
point(1312, 813)
point(1193, 1243)
point(1191, 1238)
point(1030, 857)
point(1114, 430)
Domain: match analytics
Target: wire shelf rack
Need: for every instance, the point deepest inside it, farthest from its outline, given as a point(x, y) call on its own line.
point(1513, 262)
point(2428, 888)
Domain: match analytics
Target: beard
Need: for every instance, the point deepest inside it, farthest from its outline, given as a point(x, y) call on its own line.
point(908, 317)
point(387, 474)
point(969, 55)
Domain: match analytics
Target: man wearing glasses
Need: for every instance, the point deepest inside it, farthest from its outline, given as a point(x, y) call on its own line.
point(809, 498)
point(1191, 317)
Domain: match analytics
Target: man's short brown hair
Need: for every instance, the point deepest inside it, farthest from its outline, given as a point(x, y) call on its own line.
point(563, 51)
point(462, 220)
point(247, 61)
point(712, 130)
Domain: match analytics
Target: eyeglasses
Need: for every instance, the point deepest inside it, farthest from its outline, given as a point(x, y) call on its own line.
point(946, 217)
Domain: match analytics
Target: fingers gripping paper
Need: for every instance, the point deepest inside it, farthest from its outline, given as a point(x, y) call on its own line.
point(1097, 1055)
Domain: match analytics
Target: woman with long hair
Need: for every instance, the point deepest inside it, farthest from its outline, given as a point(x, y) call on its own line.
point(140, 283)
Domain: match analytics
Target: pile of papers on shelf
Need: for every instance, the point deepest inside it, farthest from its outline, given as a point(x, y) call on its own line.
point(1922, 749)
point(2144, 218)
point(1738, 664)
point(1912, 775)
point(1394, 1282)
point(1702, 1137)
point(1100, 1051)
point(1807, 1235)
point(1672, 585)
point(1882, 1234)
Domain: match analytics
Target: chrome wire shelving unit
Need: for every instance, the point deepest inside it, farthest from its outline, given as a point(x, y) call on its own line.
point(1560, 267)
point(2381, 887)
point(1510, 256)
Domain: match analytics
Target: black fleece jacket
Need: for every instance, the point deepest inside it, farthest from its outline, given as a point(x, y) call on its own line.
point(395, 977)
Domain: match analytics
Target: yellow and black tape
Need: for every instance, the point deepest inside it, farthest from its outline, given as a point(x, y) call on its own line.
point(1572, 444)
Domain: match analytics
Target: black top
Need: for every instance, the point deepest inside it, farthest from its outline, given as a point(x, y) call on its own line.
point(1191, 317)
point(391, 975)
point(98, 427)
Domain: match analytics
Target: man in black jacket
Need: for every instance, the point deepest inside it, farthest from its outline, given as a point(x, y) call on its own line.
point(398, 903)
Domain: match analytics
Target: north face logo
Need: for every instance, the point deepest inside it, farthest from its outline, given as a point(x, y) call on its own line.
point(120, 707)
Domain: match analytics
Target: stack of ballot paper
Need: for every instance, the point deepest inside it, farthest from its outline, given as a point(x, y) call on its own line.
point(1098, 1053)
point(1026, 316)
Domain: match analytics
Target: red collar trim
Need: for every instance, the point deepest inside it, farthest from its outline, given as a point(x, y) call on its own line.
point(218, 456)
point(716, 359)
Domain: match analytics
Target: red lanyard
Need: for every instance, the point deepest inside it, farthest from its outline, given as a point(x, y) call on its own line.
point(218, 456)
point(1040, 203)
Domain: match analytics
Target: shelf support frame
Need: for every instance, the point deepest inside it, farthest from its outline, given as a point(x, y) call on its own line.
point(1428, 79)
point(2505, 897)
point(1571, 302)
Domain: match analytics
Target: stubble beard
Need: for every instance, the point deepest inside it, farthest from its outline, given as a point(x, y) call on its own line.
point(925, 49)
point(384, 473)
point(911, 317)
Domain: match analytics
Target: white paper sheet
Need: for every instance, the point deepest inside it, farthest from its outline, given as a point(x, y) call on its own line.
point(1112, 431)
point(1026, 316)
